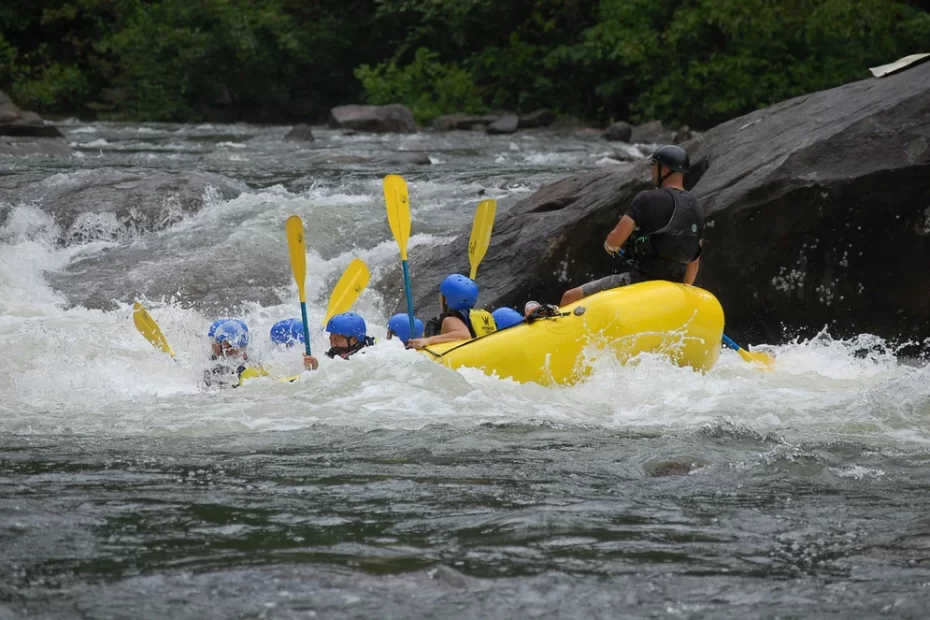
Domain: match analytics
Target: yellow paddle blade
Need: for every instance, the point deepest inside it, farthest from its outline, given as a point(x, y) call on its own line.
point(149, 328)
point(353, 281)
point(757, 357)
point(296, 246)
point(398, 210)
point(481, 234)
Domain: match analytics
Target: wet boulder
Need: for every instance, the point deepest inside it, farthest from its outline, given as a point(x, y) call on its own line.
point(16, 123)
point(818, 215)
point(120, 206)
point(537, 118)
point(653, 132)
point(621, 131)
point(9, 111)
point(504, 125)
point(393, 118)
point(300, 133)
point(116, 205)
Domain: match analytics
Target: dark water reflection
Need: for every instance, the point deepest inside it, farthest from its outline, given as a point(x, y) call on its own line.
point(496, 522)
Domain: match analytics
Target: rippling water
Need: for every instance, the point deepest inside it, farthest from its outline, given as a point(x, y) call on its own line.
point(388, 486)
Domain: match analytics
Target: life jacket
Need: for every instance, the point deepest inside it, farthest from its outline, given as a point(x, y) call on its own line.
point(665, 253)
point(226, 375)
point(347, 352)
point(479, 322)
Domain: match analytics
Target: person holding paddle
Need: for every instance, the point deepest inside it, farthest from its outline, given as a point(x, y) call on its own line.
point(661, 233)
point(348, 334)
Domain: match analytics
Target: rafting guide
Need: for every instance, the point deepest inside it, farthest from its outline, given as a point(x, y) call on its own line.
point(661, 232)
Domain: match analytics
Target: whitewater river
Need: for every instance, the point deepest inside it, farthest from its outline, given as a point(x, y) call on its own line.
point(387, 486)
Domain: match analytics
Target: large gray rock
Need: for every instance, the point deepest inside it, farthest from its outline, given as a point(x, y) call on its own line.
point(393, 118)
point(25, 124)
point(818, 214)
point(621, 131)
point(9, 111)
point(538, 118)
point(653, 132)
point(116, 205)
point(504, 125)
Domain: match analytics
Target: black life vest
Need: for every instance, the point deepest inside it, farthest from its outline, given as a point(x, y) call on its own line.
point(665, 253)
point(347, 352)
point(223, 374)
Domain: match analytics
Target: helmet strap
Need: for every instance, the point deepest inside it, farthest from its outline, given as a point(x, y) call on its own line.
point(663, 177)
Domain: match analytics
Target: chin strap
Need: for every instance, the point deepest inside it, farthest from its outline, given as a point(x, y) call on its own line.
point(662, 178)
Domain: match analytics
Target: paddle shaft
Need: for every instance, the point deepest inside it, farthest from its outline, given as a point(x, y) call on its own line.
point(729, 342)
point(407, 290)
point(303, 316)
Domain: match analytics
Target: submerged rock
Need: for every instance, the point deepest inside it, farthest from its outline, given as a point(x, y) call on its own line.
point(115, 205)
point(464, 122)
point(119, 206)
point(300, 133)
point(818, 214)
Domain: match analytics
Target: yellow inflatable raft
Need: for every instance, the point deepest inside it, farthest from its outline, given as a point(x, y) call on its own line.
point(683, 322)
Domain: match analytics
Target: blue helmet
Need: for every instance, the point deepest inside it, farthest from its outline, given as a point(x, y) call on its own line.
point(212, 331)
point(460, 292)
point(288, 332)
point(233, 331)
point(347, 324)
point(506, 317)
point(400, 325)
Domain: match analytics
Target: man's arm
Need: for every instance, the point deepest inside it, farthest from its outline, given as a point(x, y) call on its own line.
point(620, 234)
point(691, 271)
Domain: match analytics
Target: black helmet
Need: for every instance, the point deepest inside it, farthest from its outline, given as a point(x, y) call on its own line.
point(672, 157)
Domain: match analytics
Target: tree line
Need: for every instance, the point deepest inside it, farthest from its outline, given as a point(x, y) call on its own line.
point(694, 62)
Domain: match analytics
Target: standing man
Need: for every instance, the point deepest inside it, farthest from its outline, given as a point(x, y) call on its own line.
point(661, 234)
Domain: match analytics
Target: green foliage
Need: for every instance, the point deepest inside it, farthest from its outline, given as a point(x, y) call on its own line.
point(703, 61)
point(428, 87)
point(54, 86)
point(694, 62)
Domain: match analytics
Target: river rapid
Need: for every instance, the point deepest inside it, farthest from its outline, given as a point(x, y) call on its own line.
point(388, 486)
